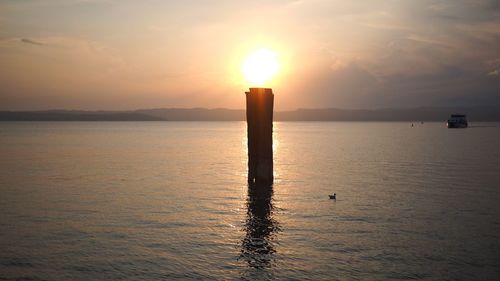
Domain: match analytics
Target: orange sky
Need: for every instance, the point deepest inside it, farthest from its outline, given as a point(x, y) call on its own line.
point(85, 54)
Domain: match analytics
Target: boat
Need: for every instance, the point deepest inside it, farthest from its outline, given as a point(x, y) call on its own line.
point(334, 196)
point(457, 121)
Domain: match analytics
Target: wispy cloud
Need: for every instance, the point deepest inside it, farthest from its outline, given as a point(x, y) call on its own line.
point(33, 42)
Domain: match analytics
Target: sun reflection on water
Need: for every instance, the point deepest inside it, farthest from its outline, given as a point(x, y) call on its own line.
point(258, 245)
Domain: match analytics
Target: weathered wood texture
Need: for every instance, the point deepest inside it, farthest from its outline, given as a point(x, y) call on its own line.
point(260, 103)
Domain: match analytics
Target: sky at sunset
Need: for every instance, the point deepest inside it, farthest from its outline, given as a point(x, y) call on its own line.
point(117, 55)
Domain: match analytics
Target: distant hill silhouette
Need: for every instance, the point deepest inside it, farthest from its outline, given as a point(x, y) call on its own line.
point(477, 114)
point(195, 114)
point(73, 115)
point(474, 114)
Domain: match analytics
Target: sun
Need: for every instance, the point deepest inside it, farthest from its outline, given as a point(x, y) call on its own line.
point(260, 66)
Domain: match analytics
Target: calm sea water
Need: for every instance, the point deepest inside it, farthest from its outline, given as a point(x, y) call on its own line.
point(165, 200)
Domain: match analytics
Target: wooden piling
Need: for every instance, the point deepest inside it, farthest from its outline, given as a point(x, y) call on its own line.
point(260, 103)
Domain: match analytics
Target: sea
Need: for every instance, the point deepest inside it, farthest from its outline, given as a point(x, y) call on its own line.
point(170, 201)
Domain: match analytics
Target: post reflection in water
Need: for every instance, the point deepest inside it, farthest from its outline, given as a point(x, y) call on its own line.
point(261, 228)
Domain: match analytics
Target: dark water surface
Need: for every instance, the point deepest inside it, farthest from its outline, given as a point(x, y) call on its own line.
point(164, 200)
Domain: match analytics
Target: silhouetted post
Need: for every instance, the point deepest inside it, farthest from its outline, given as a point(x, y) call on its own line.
point(260, 103)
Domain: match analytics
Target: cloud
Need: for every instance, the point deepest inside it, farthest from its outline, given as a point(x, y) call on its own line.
point(29, 41)
point(73, 62)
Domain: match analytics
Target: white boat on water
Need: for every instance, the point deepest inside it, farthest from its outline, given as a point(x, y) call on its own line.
point(457, 121)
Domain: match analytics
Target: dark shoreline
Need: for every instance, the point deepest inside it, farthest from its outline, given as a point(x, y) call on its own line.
point(420, 114)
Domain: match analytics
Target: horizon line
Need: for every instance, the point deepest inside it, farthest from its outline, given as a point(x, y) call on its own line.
point(243, 109)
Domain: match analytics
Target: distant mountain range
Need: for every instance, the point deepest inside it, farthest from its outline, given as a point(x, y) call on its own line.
point(474, 114)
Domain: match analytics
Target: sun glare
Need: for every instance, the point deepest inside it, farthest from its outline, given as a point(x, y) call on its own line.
point(260, 66)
